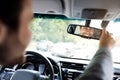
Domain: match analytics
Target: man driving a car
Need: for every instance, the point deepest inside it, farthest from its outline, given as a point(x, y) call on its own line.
point(15, 35)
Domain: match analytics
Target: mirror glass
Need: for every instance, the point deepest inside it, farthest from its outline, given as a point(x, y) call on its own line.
point(84, 31)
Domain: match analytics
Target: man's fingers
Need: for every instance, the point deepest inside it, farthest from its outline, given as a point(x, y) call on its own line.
point(106, 39)
point(104, 31)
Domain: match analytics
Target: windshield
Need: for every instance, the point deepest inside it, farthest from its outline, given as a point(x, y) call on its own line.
point(50, 37)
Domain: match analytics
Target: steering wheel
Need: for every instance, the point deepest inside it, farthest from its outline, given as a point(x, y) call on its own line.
point(34, 57)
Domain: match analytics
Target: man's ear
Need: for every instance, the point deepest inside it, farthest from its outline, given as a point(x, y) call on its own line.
point(3, 32)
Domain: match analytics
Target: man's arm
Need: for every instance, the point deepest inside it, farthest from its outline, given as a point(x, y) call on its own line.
point(100, 68)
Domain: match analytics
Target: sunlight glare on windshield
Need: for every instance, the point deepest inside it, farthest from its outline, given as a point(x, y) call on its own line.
point(114, 28)
point(96, 23)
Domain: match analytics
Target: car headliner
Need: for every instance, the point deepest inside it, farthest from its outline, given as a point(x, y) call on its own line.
point(73, 8)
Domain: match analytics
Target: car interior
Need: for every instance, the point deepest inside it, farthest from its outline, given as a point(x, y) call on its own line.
point(65, 37)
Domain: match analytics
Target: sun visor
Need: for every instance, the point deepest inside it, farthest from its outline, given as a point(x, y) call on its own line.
point(93, 13)
point(48, 6)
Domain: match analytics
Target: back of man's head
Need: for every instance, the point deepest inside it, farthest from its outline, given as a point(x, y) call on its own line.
point(15, 18)
point(9, 13)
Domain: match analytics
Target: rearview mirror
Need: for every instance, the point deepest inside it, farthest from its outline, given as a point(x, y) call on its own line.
point(84, 31)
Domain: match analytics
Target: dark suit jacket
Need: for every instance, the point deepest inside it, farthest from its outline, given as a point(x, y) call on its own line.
point(100, 68)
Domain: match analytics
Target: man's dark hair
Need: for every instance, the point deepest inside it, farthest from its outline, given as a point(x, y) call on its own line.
point(10, 12)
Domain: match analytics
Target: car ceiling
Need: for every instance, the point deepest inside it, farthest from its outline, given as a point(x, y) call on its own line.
point(73, 8)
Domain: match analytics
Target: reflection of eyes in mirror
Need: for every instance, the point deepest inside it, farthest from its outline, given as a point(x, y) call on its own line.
point(84, 31)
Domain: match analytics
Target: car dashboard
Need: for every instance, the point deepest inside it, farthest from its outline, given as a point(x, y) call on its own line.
point(70, 69)
point(64, 69)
